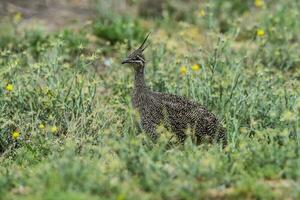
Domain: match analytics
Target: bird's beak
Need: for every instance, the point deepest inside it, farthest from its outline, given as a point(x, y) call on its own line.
point(125, 61)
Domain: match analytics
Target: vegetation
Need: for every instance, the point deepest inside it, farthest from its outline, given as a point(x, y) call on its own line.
point(67, 125)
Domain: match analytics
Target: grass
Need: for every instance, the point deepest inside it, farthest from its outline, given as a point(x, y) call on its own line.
point(68, 98)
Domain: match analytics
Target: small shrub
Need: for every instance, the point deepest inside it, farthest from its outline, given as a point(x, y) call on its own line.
point(118, 29)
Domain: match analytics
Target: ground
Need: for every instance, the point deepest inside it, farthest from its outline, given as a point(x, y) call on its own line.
point(67, 126)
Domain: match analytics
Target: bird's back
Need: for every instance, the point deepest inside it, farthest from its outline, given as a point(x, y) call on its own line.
point(178, 113)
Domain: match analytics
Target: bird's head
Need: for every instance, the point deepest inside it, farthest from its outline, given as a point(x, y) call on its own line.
point(136, 58)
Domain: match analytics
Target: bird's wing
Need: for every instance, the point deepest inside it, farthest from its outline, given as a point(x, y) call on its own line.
point(176, 101)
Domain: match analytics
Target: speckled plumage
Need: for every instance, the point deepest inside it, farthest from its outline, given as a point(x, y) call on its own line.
point(175, 113)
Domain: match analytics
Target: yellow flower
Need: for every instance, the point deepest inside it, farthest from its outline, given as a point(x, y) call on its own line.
point(260, 32)
point(15, 135)
point(259, 3)
point(41, 126)
point(54, 129)
point(183, 70)
point(9, 87)
point(195, 67)
point(201, 13)
point(17, 17)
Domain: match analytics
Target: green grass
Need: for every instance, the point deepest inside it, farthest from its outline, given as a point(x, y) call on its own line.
point(71, 104)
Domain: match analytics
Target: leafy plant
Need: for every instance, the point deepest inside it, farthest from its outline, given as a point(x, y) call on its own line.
point(118, 29)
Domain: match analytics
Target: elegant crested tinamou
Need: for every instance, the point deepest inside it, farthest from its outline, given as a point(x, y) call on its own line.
point(175, 113)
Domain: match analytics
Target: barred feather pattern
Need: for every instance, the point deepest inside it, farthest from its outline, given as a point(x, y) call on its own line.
point(176, 113)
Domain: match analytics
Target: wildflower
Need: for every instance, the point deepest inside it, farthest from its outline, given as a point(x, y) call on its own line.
point(53, 129)
point(201, 13)
point(259, 3)
point(260, 32)
point(183, 70)
point(17, 17)
point(15, 135)
point(41, 126)
point(9, 87)
point(288, 116)
point(195, 67)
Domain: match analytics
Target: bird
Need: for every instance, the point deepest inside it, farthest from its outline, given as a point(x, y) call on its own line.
point(176, 113)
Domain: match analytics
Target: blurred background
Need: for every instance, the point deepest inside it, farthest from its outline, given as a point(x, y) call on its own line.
point(195, 20)
point(53, 14)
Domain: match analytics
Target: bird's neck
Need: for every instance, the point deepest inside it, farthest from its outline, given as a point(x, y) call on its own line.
point(139, 81)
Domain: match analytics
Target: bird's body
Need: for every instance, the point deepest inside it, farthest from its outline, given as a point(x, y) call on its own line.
point(175, 113)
